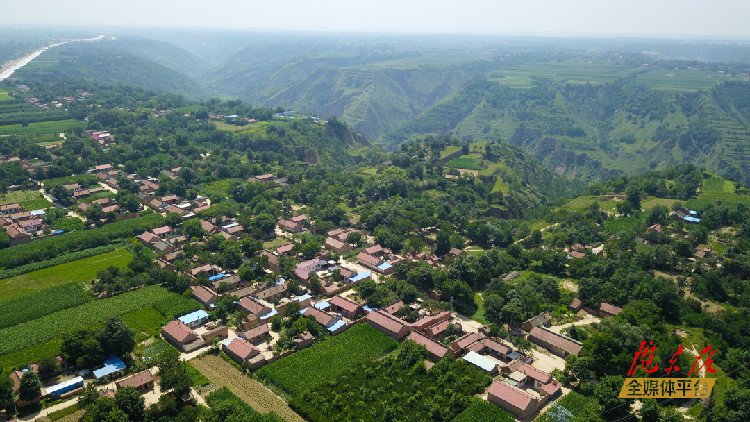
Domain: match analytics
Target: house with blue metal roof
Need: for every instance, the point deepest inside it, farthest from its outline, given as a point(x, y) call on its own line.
point(64, 387)
point(112, 365)
point(195, 319)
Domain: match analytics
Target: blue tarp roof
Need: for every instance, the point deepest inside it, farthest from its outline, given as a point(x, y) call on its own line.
point(336, 325)
point(230, 225)
point(269, 315)
point(57, 232)
point(217, 276)
point(693, 212)
point(193, 317)
point(480, 361)
point(385, 266)
point(692, 219)
point(369, 309)
point(323, 305)
point(65, 387)
point(111, 365)
point(359, 277)
point(37, 212)
point(303, 298)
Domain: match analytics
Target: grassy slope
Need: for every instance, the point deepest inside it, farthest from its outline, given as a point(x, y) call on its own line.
point(83, 270)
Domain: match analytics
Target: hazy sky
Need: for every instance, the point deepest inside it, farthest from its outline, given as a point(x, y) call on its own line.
point(546, 17)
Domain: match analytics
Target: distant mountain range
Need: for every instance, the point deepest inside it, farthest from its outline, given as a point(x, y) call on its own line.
point(585, 107)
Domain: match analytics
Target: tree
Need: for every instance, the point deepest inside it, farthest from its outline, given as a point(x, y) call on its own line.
point(30, 388)
point(48, 367)
point(89, 397)
point(657, 214)
point(82, 348)
point(192, 228)
point(613, 407)
point(174, 376)
point(316, 287)
point(130, 401)
point(116, 337)
point(6, 393)
point(173, 219)
point(354, 238)
point(443, 243)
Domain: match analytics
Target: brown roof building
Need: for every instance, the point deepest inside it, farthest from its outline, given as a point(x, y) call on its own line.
point(142, 381)
point(345, 307)
point(555, 343)
point(422, 323)
point(606, 309)
point(542, 320)
point(389, 324)
point(436, 350)
point(512, 399)
point(325, 319)
point(179, 334)
point(240, 350)
point(205, 295)
point(336, 245)
point(464, 342)
point(254, 307)
point(256, 335)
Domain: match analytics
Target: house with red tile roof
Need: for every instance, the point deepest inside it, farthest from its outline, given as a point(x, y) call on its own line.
point(299, 218)
point(285, 249)
point(544, 319)
point(205, 295)
point(181, 336)
point(290, 226)
point(336, 245)
point(369, 261)
point(436, 350)
point(257, 334)
point(374, 250)
point(512, 399)
point(324, 318)
point(389, 324)
point(252, 306)
point(240, 350)
point(393, 307)
point(440, 329)
point(345, 307)
point(273, 260)
point(554, 342)
point(463, 343)
point(162, 231)
point(424, 322)
point(142, 381)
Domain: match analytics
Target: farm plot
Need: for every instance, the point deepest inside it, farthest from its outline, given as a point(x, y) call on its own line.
point(29, 199)
point(53, 325)
point(574, 403)
point(38, 304)
point(323, 361)
point(80, 271)
point(250, 391)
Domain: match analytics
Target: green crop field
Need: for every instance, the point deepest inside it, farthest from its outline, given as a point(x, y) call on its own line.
point(574, 403)
point(145, 322)
point(482, 411)
point(41, 128)
point(218, 188)
point(29, 199)
point(83, 270)
point(321, 362)
point(41, 303)
point(53, 325)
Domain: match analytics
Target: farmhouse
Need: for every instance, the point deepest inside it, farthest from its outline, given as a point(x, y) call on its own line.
point(142, 381)
point(181, 336)
point(512, 399)
point(336, 245)
point(252, 306)
point(389, 324)
point(345, 307)
point(422, 323)
point(239, 349)
point(205, 295)
point(436, 350)
point(256, 335)
point(542, 320)
point(555, 343)
point(606, 309)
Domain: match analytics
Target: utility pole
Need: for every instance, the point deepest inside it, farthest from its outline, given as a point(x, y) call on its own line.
point(451, 303)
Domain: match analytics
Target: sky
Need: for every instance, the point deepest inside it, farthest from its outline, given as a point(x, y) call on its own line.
point(681, 18)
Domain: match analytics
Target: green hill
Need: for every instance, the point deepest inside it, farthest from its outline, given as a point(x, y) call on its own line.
point(599, 130)
point(103, 62)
